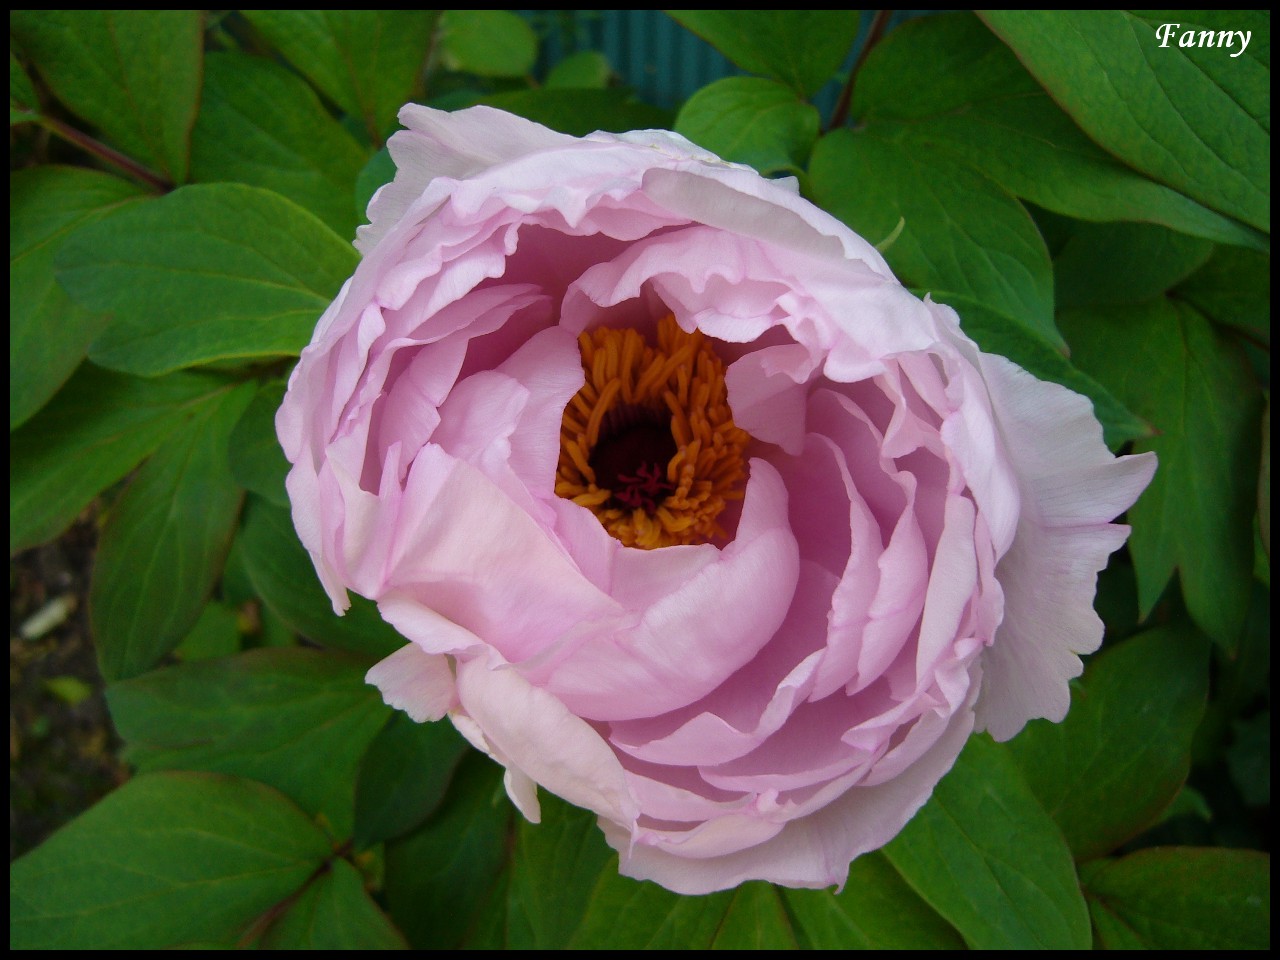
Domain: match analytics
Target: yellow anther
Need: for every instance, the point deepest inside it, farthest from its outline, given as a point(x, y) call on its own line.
point(673, 396)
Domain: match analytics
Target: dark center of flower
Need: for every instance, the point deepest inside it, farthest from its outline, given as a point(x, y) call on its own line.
point(632, 462)
point(649, 444)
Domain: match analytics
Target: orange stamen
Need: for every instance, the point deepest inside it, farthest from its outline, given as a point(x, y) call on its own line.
point(676, 387)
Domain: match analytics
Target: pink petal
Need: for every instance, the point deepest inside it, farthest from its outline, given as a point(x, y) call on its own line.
point(688, 642)
point(431, 632)
point(741, 203)
point(465, 551)
point(455, 145)
point(537, 736)
point(768, 394)
point(420, 684)
point(520, 788)
point(814, 851)
point(750, 706)
point(712, 839)
point(953, 580)
point(1071, 486)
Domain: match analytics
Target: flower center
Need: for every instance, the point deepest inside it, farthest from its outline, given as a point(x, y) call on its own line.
point(649, 444)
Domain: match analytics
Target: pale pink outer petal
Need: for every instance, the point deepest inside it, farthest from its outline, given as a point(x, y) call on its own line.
point(307, 501)
point(421, 684)
point(432, 633)
point(456, 145)
point(520, 787)
point(815, 850)
point(739, 201)
point(536, 734)
point(1071, 488)
point(523, 791)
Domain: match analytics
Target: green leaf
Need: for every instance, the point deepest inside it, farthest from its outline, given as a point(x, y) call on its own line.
point(998, 334)
point(271, 631)
point(876, 910)
point(1249, 759)
point(801, 48)
point(755, 919)
point(257, 462)
point(585, 70)
point(1116, 600)
point(1241, 679)
point(985, 855)
point(930, 67)
point(295, 719)
point(403, 777)
point(489, 931)
point(368, 62)
point(133, 74)
point(380, 170)
point(579, 112)
point(164, 542)
point(1233, 289)
point(962, 235)
point(93, 432)
point(1181, 898)
point(260, 124)
point(1189, 802)
point(283, 575)
point(623, 914)
point(1256, 21)
point(209, 272)
point(1169, 366)
point(1199, 122)
point(588, 905)
point(751, 120)
point(1264, 488)
point(489, 43)
point(1117, 761)
point(555, 867)
point(216, 634)
point(24, 105)
point(439, 881)
point(334, 913)
point(1262, 543)
point(1124, 263)
point(48, 334)
point(962, 95)
point(165, 859)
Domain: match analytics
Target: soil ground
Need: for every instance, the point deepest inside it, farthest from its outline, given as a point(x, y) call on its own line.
point(63, 752)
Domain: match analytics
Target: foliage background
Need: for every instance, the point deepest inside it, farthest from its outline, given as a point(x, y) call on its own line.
point(183, 189)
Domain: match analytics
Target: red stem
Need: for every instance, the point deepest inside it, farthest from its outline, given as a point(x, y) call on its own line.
point(841, 112)
point(102, 151)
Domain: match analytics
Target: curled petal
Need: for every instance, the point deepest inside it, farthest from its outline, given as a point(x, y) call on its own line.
point(420, 684)
point(532, 732)
point(1071, 487)
point(813, 851)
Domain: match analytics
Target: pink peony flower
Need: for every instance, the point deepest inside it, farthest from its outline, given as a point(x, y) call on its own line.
point(690, 512)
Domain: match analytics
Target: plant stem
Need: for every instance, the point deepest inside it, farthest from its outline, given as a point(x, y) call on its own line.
point(841, 112)
point(99, 149)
